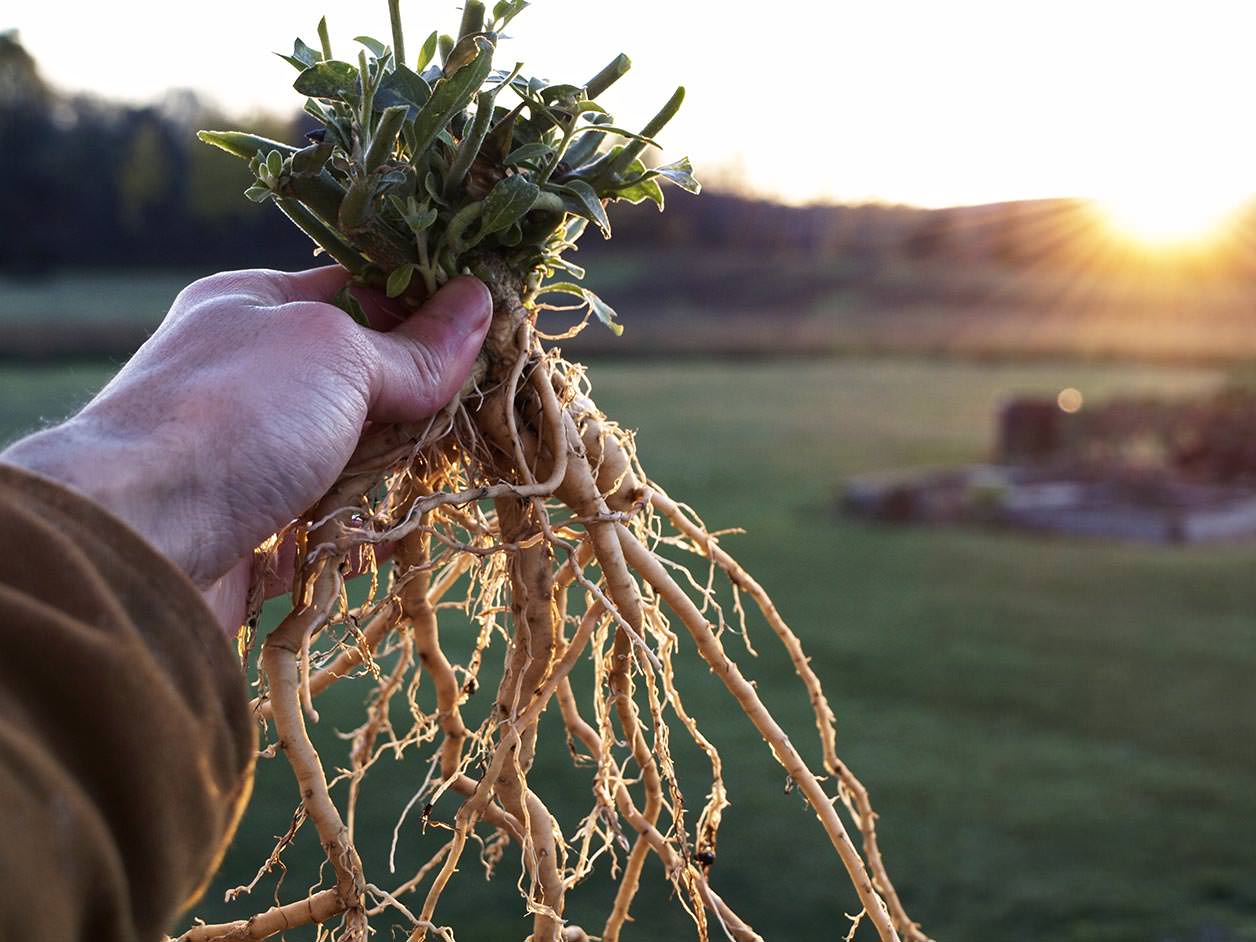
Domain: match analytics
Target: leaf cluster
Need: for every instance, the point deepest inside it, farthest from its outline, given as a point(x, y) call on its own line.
point(420, 164)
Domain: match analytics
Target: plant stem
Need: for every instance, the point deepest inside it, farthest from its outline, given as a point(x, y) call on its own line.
point(471, 144)
point(368, 95)
point(425, 264)
point(385, 136)
point(399, 42)
point(632, 150)
point(472, 19)
point(608, 76)
point(561, 149)
point(323, 236)
point(324, 39)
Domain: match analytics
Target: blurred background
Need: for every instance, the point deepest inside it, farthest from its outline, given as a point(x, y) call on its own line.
point(962, 332)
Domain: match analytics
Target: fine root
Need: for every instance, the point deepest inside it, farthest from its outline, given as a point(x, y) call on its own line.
point(523, 511)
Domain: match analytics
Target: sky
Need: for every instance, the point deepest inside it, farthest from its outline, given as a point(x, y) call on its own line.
point(942, 102)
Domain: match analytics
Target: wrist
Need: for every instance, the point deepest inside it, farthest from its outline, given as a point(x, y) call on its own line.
point(124, 476)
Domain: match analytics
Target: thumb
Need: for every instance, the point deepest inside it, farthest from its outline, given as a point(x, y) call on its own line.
point(424, 361)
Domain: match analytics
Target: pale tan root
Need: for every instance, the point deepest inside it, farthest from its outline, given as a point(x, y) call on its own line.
point(471, 808)
point(617, 478)
point(673, 864)
point(417, 606)
point(318, 908)
point(531, 574)
point(853, 792)
point(527, 439)
point(712, 651)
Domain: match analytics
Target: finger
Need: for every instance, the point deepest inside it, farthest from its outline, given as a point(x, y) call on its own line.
point(314, 284)
point(278, 577)
point(382, 312)
point(424, 361)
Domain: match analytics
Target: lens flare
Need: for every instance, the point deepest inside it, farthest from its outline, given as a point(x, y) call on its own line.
point(1169, 217)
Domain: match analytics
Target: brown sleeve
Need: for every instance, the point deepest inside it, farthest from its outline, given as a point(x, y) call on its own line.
point(126, 748)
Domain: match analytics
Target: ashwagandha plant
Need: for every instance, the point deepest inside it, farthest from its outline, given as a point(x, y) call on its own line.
point(520, 497)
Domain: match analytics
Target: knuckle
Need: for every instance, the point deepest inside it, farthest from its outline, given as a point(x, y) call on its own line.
point(257, 286)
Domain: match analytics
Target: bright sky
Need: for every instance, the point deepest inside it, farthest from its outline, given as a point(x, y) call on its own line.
point(918, 101)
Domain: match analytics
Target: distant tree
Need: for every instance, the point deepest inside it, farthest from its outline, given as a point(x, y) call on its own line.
point(21, 85)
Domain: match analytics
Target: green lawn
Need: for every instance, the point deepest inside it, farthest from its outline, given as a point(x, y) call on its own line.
point(1060, 736)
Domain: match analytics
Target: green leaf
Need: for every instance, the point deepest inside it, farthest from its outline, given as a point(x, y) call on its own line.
point(641, 190)
point(399, 280)
point(428, 52)
point(512, 236)
point(422, 221)
point(242, 144)
point(528, 152)
point(402, 87)
point(564, 287)
point(417, 220)
point(432, 184)
point(571, 267)
point(333, 80)
point(451, 96)
point(679, 172)
point(508, 202)
point(274, 163)
point(506, 10)
point(385, 137)
point(588, 205)
point(258, 193)
point(309, 161)
point(377, 48)
point(552, 93)
point(604, 312)
point(303, 57)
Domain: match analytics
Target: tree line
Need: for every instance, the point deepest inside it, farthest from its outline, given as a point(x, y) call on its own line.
point(86, 182)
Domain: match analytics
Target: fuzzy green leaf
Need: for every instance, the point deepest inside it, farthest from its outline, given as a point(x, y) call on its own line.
point(402, 87)
point(428, 52)
point(587, 204)
point(242, 144)
point(451, 96)
point(258, 193)
point(274, 163)
point(647, 189)
point(422, 221)
point(604, 312)
point(302, 56)
point(385, 137)
point(377, 48)
point(432, 185)
point(399, 280)
point(309, 161)
point(528, 153)
point(508, 202)
point(552, 93)
point(337, 81)
point(679, 172)
point(506, 10)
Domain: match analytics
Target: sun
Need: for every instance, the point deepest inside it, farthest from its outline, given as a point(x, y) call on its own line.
point(1168, 216)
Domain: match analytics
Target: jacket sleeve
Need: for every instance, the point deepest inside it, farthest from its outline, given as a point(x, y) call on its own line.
point(126, 748)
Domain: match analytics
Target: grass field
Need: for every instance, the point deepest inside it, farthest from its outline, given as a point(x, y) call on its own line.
point(1060, 736)
point(694, 303)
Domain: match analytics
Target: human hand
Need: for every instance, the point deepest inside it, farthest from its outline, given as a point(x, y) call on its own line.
point(244, 407)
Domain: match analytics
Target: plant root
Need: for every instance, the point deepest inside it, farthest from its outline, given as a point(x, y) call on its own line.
point(524, 510)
